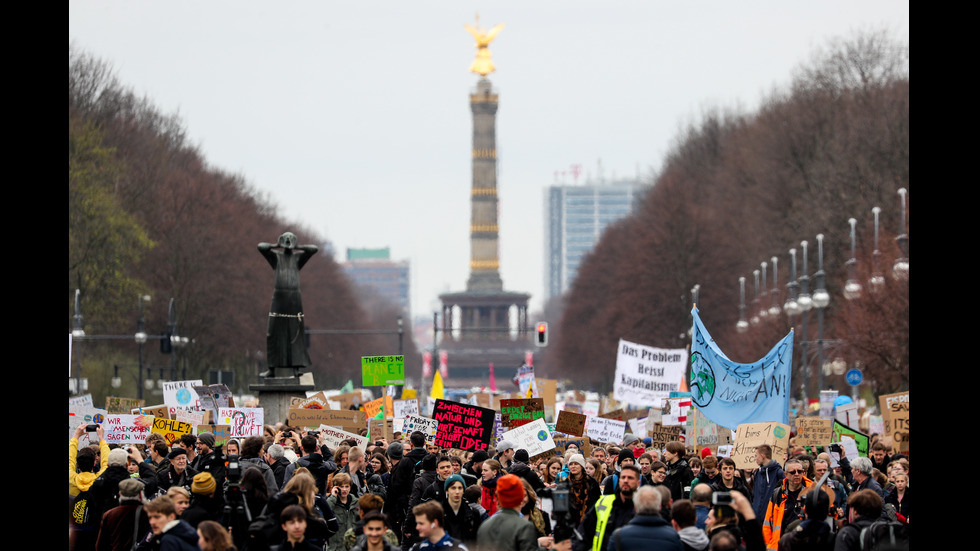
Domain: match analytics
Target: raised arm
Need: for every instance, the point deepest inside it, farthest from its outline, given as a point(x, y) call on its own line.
point(266, 250)
point(308, 252)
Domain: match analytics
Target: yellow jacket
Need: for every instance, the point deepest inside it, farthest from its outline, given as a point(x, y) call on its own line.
point(78, 482)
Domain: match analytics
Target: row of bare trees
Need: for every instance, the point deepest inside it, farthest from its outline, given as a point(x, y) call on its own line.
point(149, 216)
point(740, 188)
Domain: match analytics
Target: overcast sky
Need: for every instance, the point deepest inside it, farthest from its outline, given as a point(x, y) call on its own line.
point(354, 116)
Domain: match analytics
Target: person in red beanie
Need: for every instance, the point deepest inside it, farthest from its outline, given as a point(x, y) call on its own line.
point(508, 530)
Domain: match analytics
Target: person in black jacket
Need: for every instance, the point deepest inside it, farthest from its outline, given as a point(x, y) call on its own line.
point(520, 468)
point(679, 474)
point(647, 529)
point(402, 476)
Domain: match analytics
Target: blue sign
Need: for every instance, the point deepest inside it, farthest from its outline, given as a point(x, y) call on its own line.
point(854, 377)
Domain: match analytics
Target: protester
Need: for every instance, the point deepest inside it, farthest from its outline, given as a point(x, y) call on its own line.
point(507, 530)
point(646, 529)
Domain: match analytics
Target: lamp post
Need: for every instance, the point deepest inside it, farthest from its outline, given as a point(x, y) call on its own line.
point(901, 267)
point(140, 338)
point(821, 299)
point(742, 326)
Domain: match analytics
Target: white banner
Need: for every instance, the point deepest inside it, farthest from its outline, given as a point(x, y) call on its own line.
point(610, 431)
point(127, 429)
point(422, 424)
point(533, 437)
point(646, 375)
point(243, 421)
point(181, 395)
point(333, 437)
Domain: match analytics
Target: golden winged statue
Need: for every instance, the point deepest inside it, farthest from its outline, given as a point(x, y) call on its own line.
point(482, 64)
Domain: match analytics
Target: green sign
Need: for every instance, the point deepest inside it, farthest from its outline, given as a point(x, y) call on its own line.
point(383, 370)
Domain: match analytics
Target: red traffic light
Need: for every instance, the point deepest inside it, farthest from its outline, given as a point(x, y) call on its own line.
point(542, 337)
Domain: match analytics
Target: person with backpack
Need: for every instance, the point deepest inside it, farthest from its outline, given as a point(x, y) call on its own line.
point(406, 466)
point(864, 507)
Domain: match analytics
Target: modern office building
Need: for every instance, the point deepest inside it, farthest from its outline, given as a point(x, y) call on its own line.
point(575, 217)
point(374, 269)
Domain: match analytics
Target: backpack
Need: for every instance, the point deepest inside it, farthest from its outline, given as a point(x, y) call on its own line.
point(885, 534)
point(86, 510)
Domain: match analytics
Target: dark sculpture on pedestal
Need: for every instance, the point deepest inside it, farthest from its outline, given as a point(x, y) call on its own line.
point(286, 336)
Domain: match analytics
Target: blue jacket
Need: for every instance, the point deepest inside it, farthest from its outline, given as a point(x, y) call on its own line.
point(645, 532)
point(764, 483)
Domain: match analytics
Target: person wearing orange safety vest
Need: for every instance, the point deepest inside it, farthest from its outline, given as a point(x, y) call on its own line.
point(784, 505)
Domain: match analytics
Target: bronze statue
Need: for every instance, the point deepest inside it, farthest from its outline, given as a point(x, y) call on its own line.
point(286, 336)
point(482, 64)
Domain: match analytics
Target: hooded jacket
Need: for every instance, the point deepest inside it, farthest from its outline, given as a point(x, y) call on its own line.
point(76, 479)
point(766, 479)
point(694, 538)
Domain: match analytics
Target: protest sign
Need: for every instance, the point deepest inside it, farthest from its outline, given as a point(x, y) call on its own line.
point(462, 426)
point(646, 375)
point(850, 447)
point(116, 404)
point(222, 433)
point(749, 436)
point(382, 370)
point(876, 424)
point(526, 382)
point(422, 424)
point(571, 423)
point(675, 410)
point(638, 426)
point(316, 401)
point(730, 393)
point(619, 414)
point(181, 394)
point(895, 411)
point(381, 428)
point(347, 400)
point(814, 431)
point(703, 433)
point(660, 435)
point(548, 390)
point(581, 442)
point(170, 429)
point(193, 417)
point(606, 430)
point(84, 400)
point(127, 429)
point(847, 414)
point(157, 411)
point(404, 408)
point(827, 399)
point(244, 421)
point(213, 397)
point(591, 408)
point(861, 440)
point(533, 437)
point(373, 407)
point(334, 437)
point(78, 415)
point(515, 413)
point(350, 420)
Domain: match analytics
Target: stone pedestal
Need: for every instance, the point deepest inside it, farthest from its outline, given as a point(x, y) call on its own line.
point(276, 393)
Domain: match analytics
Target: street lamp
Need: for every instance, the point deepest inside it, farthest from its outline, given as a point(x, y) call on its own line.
point(791, 306)
point(901, 267)
point(852, 289)
point(742, 326)
point(821, 298)
point(140, 338)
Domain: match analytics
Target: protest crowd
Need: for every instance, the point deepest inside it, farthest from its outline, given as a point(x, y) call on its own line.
point(292, 487)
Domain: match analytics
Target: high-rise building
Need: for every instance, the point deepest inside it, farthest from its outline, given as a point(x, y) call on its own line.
point(374, 269)
point(575, 217)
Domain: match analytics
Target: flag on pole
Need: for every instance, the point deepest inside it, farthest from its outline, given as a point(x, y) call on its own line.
point(731, 393)
point(437, 390)
point(493, 379)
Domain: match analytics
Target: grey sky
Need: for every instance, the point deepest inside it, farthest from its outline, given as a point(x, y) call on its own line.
point(354, 116)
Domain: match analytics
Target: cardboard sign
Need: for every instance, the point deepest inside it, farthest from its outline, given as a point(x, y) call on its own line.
point(704, 433)
point(548, 390)
point(404, 408)
point(381, 428)
point(895, 413)
point(582, 443)
point(521, 412)
point(244, 421)
point(862, 441)
point(350, 420)
point(170, 429)
point(571, 423)
point(127, 429)
point(115, 404)
point(814, 431)
point(317, 401)
point(334, 437)
point(660, 435)
point(533, 437)
point(605, 430)
point(373, 407)
point(222, 433)
point(749, 436)
point(382, 370)
point(349, 399)
point(619, 414)
point(426, 426)
point(461, 426)
point(156, 411)
point(181, 394)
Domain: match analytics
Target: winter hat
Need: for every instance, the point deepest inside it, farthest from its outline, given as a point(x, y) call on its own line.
point(629, 438)
point(648, 441)
point(206, 438)
point(624, 454)
point(705, 452)
point(430, 462)
point(175, 452)
point(480, 456)
point(504, 445)
point(521, 455)
point(450, 480)
point(510, 491)
point(395, 450)
point(118, 457)
point(130, 488)
point(204, 484)
point(577, 458)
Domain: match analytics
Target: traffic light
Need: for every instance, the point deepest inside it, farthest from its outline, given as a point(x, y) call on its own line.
point(542, 334)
